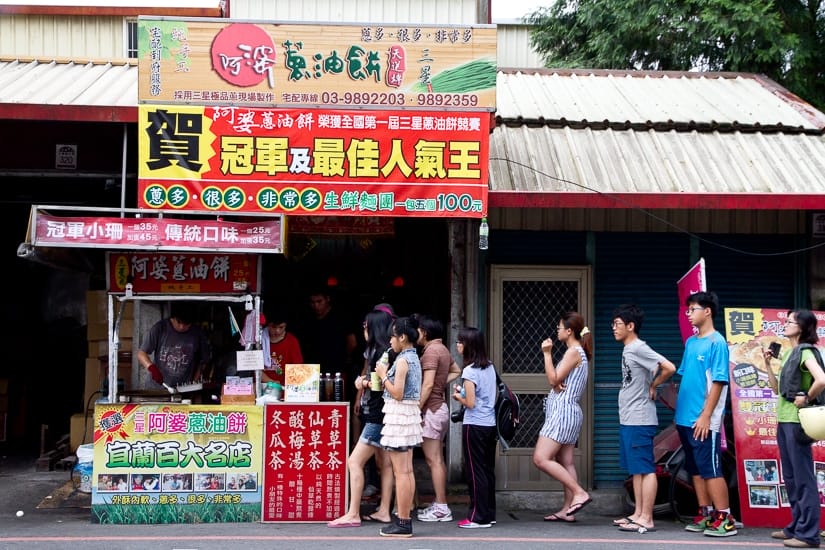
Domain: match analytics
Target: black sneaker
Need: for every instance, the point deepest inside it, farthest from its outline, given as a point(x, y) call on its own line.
point(398, 528)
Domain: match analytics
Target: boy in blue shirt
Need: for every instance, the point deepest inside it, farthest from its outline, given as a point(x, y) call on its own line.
point(699, 408)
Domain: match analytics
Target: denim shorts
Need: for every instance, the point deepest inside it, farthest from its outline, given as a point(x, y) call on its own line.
point(371, 434)
point(636, 446)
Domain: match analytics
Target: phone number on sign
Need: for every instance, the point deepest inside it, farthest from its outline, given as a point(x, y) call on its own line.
point(385, 98)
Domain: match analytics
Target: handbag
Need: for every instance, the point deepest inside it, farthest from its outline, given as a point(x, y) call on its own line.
point(458, 414)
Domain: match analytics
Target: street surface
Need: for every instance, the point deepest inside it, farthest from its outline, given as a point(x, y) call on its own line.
point(70, 528)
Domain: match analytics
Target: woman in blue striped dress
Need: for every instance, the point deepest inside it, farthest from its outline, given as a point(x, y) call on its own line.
point(553, 454)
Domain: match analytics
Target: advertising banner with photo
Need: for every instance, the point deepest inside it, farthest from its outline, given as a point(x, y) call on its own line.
point(167, 463)
point(762, 496)
point(179, 273)
point(203, 61)
point(305, 461)
point(313, 162)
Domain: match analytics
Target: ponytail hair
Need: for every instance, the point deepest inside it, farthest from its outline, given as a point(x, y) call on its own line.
point(575, 322)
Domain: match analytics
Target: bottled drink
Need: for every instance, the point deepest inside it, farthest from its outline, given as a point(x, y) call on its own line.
point(328, 390)
point(483, 234)
point(338, 385)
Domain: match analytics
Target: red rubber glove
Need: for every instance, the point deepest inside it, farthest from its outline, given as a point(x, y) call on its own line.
point(155, 372)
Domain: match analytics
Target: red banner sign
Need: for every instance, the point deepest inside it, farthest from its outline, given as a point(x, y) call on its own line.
point(152, 273)
point(158, 234)
point(314, 162)
point(305, 461)
point(762, 496)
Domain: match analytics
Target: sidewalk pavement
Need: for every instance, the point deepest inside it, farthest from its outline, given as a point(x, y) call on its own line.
point(517, 526)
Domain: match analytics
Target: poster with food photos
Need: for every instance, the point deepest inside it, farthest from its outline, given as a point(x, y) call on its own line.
point(763, 497)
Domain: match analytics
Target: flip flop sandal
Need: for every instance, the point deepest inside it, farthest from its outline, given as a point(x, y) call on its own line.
point(622, 521)
point(634, 527)
point(577, 507)
point(373, 519)
point(558, 519)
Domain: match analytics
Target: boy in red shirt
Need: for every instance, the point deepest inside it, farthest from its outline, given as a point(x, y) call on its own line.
point(284, 348)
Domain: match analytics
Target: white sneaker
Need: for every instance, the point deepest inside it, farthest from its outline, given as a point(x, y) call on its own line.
point(436, 513)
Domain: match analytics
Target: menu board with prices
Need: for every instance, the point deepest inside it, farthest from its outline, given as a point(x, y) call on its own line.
point(305, 462)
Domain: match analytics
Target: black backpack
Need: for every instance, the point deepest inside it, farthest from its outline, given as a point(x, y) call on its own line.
point(507, 413)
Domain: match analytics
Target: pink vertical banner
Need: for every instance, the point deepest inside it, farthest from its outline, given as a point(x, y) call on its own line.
point(691, 282)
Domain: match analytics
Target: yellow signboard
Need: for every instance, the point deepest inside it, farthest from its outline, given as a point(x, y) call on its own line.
point(171, 463)
point(387, 66)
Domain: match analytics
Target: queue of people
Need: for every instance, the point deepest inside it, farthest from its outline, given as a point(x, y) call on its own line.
point(400, 402)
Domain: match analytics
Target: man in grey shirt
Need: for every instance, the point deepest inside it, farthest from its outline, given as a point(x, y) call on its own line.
point(643, 370)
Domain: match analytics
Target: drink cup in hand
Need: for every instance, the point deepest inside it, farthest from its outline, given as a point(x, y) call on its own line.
point(375, 382)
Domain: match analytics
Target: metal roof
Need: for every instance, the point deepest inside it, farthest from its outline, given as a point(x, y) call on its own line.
point(66, 89)
point(618, 139)
point(563, 138)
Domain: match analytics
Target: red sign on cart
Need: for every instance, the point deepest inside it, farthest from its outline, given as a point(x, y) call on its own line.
point(305, 462)
point(763, 498)
point(154, 272)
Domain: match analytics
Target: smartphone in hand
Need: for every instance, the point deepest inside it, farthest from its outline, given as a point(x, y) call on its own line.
point(774, 348)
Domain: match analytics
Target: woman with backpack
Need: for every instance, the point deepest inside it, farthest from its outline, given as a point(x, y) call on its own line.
point(478, 394)
point(801, 380)
point(553, 454)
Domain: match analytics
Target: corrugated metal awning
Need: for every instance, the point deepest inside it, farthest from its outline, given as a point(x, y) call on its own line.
point(63, 89)
point(573, 139)
point(612, 139)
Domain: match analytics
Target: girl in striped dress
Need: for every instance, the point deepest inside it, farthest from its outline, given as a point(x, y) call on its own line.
point(553, 454)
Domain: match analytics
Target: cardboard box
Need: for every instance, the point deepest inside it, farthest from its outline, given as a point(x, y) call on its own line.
point(237, 399)
point(100, 331)
point(94, 378)
point(97, 371)
point(100, 348)
point(238, 394)
point(77, 436)
point(97, 307)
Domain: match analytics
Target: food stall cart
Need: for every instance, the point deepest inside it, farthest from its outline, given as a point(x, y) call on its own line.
point(161, 459)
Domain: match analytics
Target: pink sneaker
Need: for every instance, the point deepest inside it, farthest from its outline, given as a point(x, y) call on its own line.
point(467, 524)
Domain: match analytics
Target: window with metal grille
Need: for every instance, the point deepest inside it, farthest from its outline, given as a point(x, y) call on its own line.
point(530, 311)
point(530, 301)
point(131, 39)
